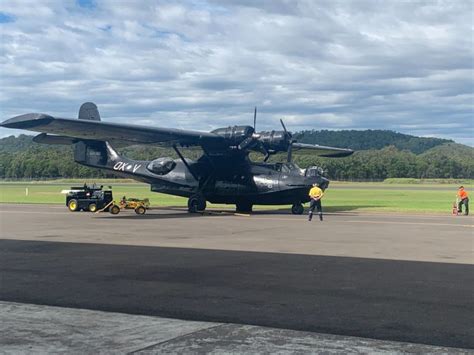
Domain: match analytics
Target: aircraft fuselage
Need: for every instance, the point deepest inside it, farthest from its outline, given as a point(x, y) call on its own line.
point(228, 181)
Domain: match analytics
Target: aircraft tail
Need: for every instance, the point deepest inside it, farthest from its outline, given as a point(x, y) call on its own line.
point(89, 152)
point(89, 111)
point(93, 152)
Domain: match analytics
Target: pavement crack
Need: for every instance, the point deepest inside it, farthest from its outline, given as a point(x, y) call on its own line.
point(149, 347)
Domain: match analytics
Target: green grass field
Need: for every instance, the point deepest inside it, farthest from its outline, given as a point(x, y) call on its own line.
point(436, 198)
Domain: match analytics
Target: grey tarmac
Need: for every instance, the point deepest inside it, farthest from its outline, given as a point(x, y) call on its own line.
point(435, 238)
point(395, 278)
point(56, 330)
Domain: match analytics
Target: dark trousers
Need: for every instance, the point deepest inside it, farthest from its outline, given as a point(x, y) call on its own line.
point(315, 204)
point(464, 201)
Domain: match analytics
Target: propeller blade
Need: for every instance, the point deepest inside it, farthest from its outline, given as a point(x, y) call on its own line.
point(284, 128)
point(287, 134)
point(290, 152)
point(290, 142)
point(255, 119)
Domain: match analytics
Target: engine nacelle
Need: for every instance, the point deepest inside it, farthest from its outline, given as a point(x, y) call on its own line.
point(161, 166)
point(274, 140)
point(235, 134)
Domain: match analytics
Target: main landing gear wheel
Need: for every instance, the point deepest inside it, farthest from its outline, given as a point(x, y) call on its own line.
point(244, 207)
point(297, 208)
point(73, 205)
point(196, 203)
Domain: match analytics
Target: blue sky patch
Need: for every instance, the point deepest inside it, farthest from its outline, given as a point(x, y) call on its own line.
point(4, 18)
point(90, 4)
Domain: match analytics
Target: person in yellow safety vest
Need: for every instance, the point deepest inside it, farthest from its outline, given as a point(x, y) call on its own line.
point(463, 199)
point(315, 194)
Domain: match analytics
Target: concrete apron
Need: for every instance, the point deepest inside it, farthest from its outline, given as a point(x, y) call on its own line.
point(27, 328)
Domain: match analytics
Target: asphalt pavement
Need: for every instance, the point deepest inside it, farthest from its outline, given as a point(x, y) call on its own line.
point(390, 277)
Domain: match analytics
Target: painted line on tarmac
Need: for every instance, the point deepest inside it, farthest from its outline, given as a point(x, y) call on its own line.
point(412, 223)
point(371, 222)
point(283, 219)
point(34, 212)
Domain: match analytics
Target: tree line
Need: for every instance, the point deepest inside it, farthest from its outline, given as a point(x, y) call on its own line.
point(28, 160)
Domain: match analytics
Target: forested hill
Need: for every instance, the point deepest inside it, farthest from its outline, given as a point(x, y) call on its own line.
point(356, 140)
point(14, 144)
point(369, 139)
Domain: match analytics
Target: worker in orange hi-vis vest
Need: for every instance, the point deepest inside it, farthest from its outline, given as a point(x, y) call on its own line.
point(463, 199)
point(315, 194)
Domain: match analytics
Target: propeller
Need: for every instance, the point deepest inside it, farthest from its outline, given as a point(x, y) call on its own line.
point(289, 137)
point(252, 140)
point(255, 119)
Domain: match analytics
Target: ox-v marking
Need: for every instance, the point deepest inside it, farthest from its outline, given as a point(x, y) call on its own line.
point(121, 166)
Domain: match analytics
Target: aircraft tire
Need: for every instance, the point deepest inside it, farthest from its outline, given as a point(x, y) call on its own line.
point(297, 208)
point(73, 205)
point(196, 203)
point(243, 207)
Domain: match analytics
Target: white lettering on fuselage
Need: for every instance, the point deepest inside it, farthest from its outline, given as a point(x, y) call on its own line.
point(261, 180)
point(121, 166)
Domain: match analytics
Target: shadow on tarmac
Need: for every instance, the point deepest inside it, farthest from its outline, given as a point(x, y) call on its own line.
point(420, 302)
point(181, 212)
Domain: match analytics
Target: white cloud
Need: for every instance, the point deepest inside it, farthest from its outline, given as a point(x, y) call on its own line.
point(396, 65)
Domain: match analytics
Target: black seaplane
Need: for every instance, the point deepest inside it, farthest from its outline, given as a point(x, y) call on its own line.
point(223, 174)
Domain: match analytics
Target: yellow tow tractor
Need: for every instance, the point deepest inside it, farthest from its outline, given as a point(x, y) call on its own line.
point(138, 205)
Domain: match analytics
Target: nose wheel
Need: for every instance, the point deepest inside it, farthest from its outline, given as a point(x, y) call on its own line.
point(196, 203)
point(297, 208)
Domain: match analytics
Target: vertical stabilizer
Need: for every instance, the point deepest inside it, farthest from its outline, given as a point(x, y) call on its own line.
point(89, 111)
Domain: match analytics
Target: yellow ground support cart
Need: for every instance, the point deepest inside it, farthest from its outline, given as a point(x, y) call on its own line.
point(139, 206)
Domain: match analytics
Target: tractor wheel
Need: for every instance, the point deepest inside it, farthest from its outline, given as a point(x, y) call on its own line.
point(73, 205)
point(243, 207)
point(115, 209)
point(92, 207)
point(196, 203)
point(297, 208)
point(140, 210)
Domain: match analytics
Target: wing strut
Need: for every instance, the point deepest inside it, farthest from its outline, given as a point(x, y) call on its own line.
point(185, 162)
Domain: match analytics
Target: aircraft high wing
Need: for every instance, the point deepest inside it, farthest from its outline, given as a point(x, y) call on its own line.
point(56, 130)
point(126, 134)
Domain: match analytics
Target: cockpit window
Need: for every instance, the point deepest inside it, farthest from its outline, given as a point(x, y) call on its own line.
point(288, 168)
point(314, 171)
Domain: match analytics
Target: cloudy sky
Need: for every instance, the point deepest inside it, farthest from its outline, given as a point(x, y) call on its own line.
point(399, 65)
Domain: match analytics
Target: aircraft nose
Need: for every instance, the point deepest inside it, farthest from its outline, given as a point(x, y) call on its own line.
point(322, 182)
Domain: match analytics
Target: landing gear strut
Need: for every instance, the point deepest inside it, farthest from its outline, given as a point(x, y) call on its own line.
point(297, 208)
point(196, 203)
